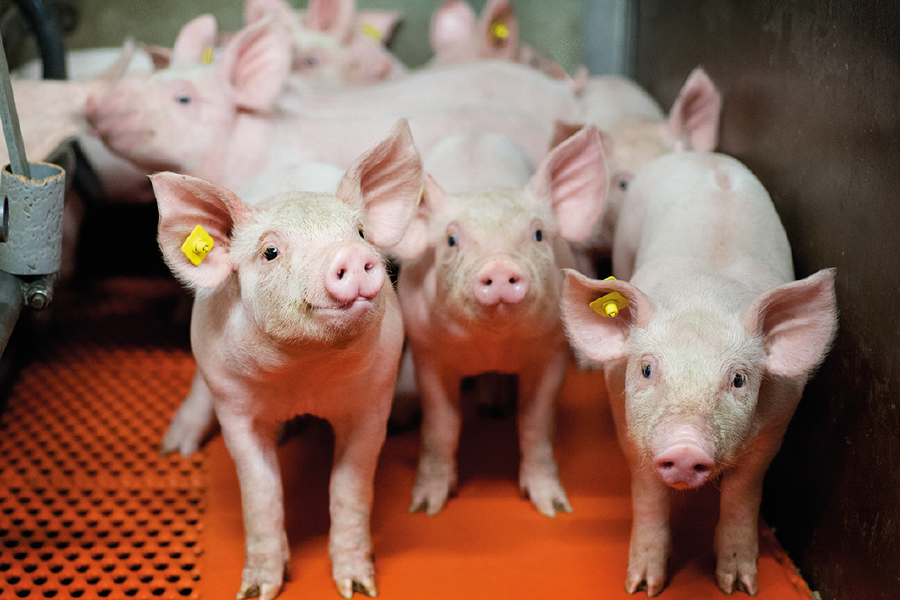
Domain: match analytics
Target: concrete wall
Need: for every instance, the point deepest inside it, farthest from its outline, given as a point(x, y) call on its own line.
point(812, 106)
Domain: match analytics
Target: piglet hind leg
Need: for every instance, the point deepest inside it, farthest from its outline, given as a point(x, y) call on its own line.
point(267, 553)
point(436, 475)
point(356, 449)
point(538, 472)
point(191, 422)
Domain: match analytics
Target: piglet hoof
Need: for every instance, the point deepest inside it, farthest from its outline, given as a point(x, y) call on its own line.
point(182, 438)
point(431, 491)
point(546, 494)
point(653, 589)
point(647, 565)
point(733, 576)
point(353, 574)
point(262, 578)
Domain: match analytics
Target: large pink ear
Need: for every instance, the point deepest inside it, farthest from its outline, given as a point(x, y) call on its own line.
point(574, 177)
point(452, 25)
point(499, 30)
point(694, 117)
point(256, 10)
point(418, 235)
point(185, 202)
point(256, 63)
point(334, 17)
point(798, 321)
point(378, 25)
point(601, 338)
point(385, 182)
point(193, 39)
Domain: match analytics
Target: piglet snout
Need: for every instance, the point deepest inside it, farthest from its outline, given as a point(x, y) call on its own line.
point(500, 281)
point(686, 462)
point(355, 273)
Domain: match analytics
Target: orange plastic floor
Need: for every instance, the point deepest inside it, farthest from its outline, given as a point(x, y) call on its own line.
point(89, 510)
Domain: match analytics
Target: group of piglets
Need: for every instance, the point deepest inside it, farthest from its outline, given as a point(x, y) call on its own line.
point(705, 338)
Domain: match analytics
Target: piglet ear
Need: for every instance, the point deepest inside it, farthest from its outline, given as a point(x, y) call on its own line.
point(334, 17)
point(602, 338)
point(378, 25)
point(694, 118)
point(185, 202)
point(418, 235)
point(798, 321)
point(257, 10)
point(385, 182)
point(193, 40)
point(499, 30)
point(452, 25)
point(256, 63)
point(574, 177)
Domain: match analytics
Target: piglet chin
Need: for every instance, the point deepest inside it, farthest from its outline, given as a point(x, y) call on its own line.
point(350, 310)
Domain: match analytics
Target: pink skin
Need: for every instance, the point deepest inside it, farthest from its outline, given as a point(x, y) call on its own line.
point(500, 282)
point(636, 131)
point(332, 41)
point(683, 457)
point(260, 360)
point(354, 275)
point(479, 290)
point(230, 121)
point(707, 362)
point(458, 36)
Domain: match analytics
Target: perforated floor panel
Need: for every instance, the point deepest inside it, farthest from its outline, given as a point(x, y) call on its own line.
point(88, 509)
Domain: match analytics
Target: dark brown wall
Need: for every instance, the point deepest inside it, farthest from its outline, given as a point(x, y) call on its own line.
point(812, 106)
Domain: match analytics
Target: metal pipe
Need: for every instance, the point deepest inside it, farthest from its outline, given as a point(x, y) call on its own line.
point(12, 299)
point(49, 36)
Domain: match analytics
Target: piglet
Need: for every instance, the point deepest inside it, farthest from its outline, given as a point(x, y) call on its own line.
point(636, 131)
point(294, 315)
point(479, 289)
point(706, 350)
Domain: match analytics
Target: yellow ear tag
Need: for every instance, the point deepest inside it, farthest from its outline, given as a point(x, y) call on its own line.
point(500, 30)
point(609, 305)
point(207, 56)
point(371, 31)
point(197, 245)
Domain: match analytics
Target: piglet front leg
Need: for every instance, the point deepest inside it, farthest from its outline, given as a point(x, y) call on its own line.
point(191, 422)
point(436, 476)
point(538, 472)
point(251, 444)
point(651, 537)
point(356, 449)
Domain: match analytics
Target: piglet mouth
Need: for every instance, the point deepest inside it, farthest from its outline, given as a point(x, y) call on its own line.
point(356, 307)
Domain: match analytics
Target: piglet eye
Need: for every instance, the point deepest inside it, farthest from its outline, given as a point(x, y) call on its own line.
point(739, 380)
point(538, 235)
point(646, 370)
point(452, 241)
point(270, 253)
point(183, 99)
point(361, 234)
point(623, 184)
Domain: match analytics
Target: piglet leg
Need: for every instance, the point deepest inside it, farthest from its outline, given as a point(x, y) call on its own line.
point(191, 422)
point(441, 424)
point(538, 472)
point(356, 449)
point(737, 532)
point(252, 447)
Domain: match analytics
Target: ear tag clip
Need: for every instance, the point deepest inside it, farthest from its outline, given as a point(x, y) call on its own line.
point(499, 30)
point(369, 30)
point(197, 245)
point(207, 56)
point(609, 304)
